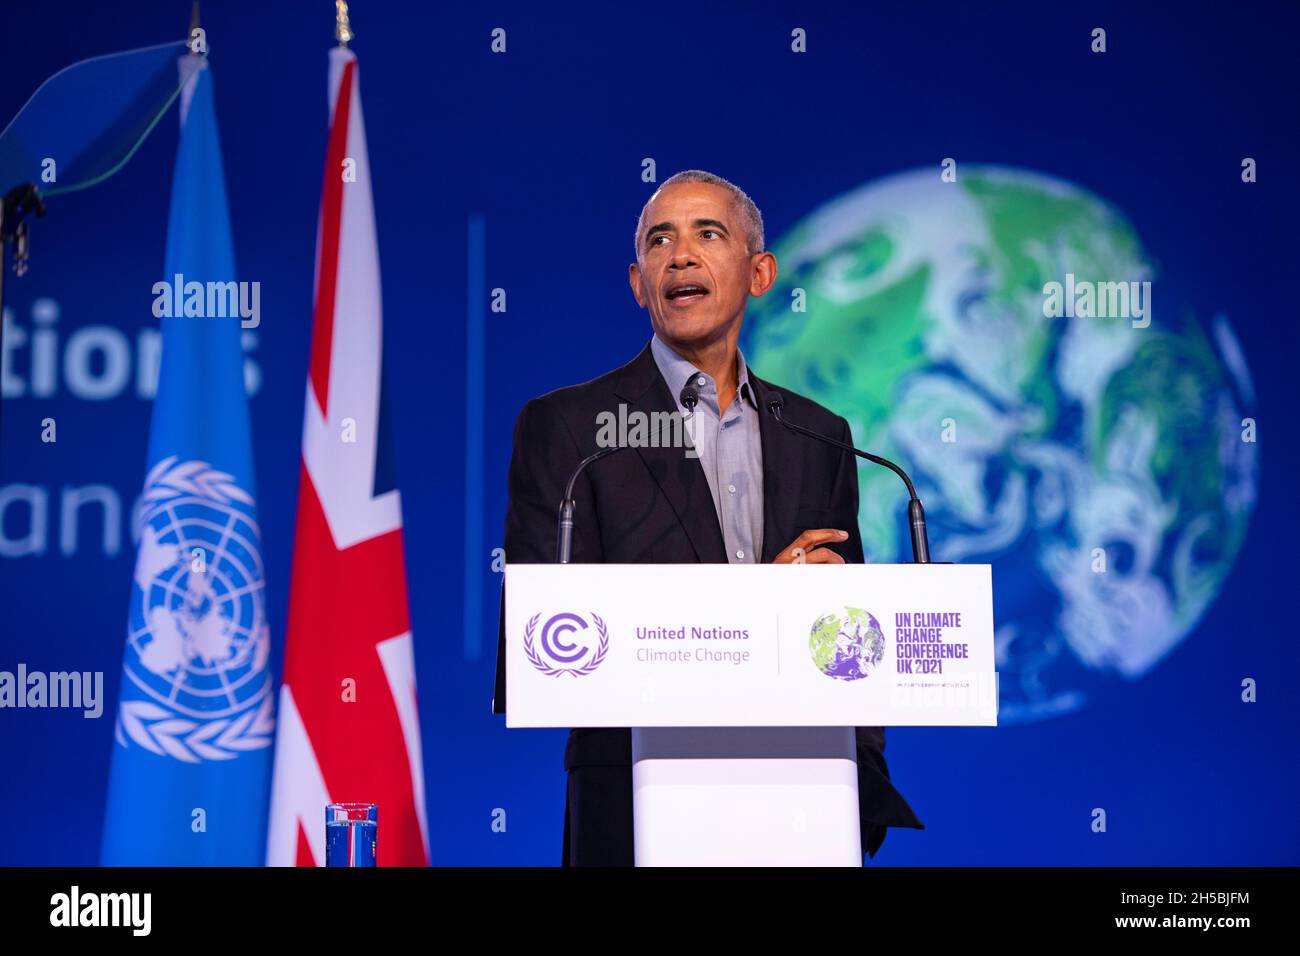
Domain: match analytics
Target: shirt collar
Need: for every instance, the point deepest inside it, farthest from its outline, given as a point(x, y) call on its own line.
point(677, 371)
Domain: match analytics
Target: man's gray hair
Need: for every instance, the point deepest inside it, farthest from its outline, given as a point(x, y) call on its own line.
point(753, 219)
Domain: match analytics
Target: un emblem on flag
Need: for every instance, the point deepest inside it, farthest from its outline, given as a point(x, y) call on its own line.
point(197, 685)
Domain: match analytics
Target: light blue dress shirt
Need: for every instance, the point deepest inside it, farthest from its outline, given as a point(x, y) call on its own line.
point(730, 450)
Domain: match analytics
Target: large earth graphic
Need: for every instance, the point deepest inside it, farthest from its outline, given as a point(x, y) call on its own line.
point(1103, 469)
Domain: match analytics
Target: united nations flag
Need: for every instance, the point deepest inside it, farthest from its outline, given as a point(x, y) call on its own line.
point(192, 759)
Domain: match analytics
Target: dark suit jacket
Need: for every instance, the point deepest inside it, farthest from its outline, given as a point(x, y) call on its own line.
point(653, 506)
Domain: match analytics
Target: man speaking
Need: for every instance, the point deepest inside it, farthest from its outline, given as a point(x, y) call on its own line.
point(748, 491)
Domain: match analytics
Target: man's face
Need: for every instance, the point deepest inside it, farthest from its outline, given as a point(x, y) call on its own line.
point(695, 274)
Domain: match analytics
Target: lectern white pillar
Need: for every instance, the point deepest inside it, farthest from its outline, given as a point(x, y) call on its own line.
point(745, 796)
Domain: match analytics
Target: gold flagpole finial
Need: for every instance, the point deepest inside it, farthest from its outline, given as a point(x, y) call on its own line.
point(342, 26)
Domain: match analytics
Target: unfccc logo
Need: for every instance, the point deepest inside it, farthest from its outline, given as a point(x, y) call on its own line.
point(560, 652)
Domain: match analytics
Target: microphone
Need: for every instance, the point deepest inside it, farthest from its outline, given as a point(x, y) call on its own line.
point(689, 398)
point(915, 510)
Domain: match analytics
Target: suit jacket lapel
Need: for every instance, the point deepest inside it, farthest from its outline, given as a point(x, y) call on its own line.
point(681, 479)
point(782, 474)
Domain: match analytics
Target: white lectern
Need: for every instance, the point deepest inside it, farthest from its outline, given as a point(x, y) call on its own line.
point(743, 684)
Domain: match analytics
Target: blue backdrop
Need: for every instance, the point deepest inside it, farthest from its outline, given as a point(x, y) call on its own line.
point(523, 171)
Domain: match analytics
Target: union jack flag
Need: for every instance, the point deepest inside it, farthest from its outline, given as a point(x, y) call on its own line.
point(349, 728)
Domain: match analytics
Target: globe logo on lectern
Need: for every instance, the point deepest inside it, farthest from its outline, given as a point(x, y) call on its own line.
point(1106, 471)
point(567, 643)
point(846, 644)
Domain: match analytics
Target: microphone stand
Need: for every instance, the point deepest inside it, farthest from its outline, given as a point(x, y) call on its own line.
point(564, 537)
point(14, 209)
point(689, 398)
point(915, 510)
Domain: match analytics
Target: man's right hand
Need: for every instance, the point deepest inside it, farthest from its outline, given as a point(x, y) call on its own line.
point(807, 548)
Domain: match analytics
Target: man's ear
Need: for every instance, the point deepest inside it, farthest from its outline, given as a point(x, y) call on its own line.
point(762, 273)
point(634, 280)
